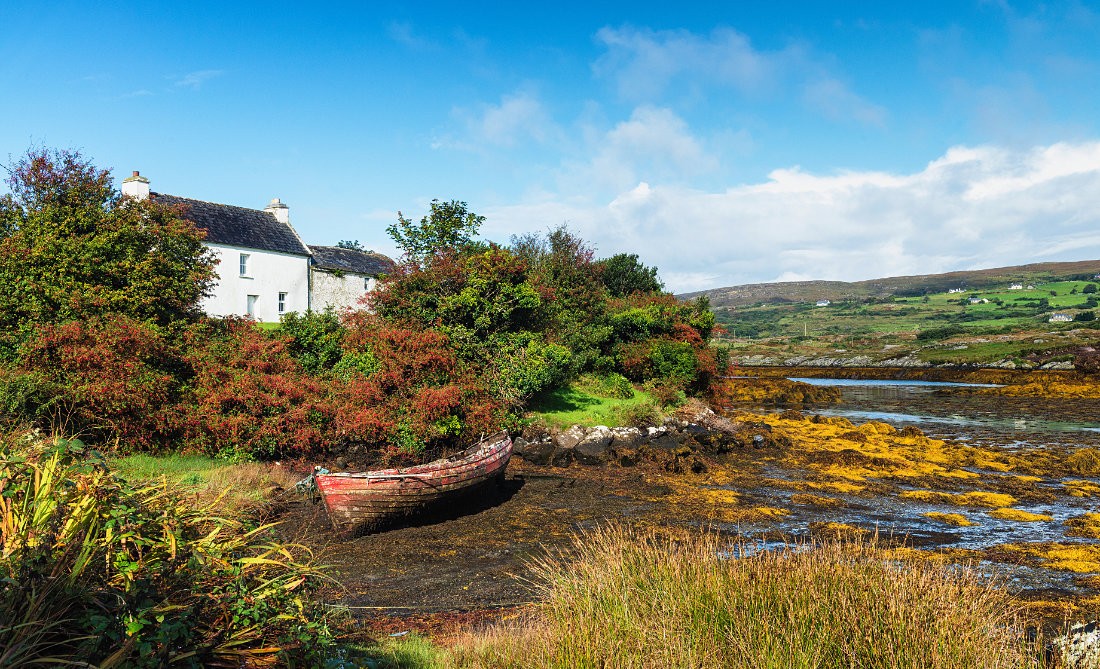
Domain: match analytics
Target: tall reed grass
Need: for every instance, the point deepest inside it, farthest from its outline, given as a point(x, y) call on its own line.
point(639, 599)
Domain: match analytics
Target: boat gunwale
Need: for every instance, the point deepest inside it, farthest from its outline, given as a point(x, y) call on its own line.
point(485, 449)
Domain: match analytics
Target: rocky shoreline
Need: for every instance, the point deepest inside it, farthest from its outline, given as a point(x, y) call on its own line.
point(676, 444)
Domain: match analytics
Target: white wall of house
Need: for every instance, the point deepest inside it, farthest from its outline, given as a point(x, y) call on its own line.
point(268, 276)
point(330, 290)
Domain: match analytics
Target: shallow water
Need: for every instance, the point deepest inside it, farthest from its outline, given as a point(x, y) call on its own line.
point(941, 411)
point(953, 411)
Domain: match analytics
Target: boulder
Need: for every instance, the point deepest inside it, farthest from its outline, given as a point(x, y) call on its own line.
point(536, 452)
point(624, 438)
point(566, 440)
point(595, 447)
point(1080, 648)
point(660, 439)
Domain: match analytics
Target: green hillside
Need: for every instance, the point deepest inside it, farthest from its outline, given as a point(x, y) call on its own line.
point(997, 324)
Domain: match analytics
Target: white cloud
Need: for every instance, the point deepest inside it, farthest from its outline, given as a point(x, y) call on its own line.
point(195, 80)
point(973, 207)
point(518, 118)
point(654, 144)
point(645, 64)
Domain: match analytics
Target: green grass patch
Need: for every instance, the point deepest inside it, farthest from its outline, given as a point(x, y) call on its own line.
point(188, 470)
point(563, 407)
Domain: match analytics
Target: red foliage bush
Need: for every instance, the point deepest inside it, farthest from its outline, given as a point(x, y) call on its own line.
point(109, 378)
point(249, 396)
point(416, 397)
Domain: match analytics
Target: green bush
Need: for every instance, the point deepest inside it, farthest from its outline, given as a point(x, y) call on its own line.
point(614, 386)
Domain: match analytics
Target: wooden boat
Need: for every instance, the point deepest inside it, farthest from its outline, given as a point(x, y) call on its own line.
point(359, 501)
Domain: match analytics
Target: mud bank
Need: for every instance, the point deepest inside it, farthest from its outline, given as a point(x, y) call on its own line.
point(1026, 515)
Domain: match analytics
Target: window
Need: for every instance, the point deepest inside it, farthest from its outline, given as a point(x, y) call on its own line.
point(282, 303)
point(366, 283)
point(251, 308)
point(244, 264)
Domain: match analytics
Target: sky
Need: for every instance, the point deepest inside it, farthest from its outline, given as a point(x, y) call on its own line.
point(723, 142)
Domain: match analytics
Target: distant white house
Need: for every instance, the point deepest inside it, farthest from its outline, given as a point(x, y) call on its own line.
point(1060, 318)
point(1016, 286)
point(978, 300)
point(823, 303)
point(264, 268)
point(956, 290)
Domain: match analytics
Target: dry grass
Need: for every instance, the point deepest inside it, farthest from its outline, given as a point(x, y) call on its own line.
point(631, 599)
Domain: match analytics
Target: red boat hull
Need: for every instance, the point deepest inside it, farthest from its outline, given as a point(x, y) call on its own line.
point(359, 501)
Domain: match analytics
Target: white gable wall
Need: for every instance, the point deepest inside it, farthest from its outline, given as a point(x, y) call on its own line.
point(338, 292)
point(269, 273)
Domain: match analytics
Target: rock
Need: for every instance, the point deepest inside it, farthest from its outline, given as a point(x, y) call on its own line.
point(662, 440)
point(595, 448)
point(562, 457)
point(623, 438)
point(568, 439)
point(538, 452)
point(519, 444)
point(1080, 648)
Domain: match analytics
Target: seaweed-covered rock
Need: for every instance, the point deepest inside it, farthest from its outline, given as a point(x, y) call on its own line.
point(595, 447)
point(536, 452)
point(1080, 648)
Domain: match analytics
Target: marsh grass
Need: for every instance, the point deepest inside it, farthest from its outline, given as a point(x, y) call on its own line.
point(640, 599)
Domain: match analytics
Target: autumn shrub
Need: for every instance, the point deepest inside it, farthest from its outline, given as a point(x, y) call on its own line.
point(106, 378)
point(249, 397)
point(95, 570)
point(416, 395)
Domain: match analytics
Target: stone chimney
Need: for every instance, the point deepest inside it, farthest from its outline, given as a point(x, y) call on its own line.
point(280, 211)
point(136, 186)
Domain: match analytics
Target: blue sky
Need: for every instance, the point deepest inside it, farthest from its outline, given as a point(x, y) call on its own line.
point(723, 142)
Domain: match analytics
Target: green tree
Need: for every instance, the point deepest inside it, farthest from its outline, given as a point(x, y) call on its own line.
point(72, 248)
point(624, 274)
point(450, 225)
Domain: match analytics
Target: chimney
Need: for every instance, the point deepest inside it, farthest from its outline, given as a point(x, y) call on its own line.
point(280, 211)
point(136, 186)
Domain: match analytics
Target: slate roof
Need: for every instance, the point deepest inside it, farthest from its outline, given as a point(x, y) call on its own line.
point(238, 226)
point(350, 260)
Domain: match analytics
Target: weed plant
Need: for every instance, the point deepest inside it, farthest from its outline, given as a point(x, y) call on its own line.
point(95, 570)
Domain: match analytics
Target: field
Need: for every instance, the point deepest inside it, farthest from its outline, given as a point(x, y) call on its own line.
point(970, 327)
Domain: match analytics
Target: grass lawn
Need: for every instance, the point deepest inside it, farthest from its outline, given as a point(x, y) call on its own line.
point(564, 407)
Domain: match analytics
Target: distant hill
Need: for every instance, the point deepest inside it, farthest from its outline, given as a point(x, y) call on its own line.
point(901, 286)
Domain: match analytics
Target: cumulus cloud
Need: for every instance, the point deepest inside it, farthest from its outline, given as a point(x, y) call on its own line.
point(973, 207)
point(654, 144)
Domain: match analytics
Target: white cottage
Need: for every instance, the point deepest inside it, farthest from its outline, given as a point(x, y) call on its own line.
point(340, 277)
point(264, 268)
